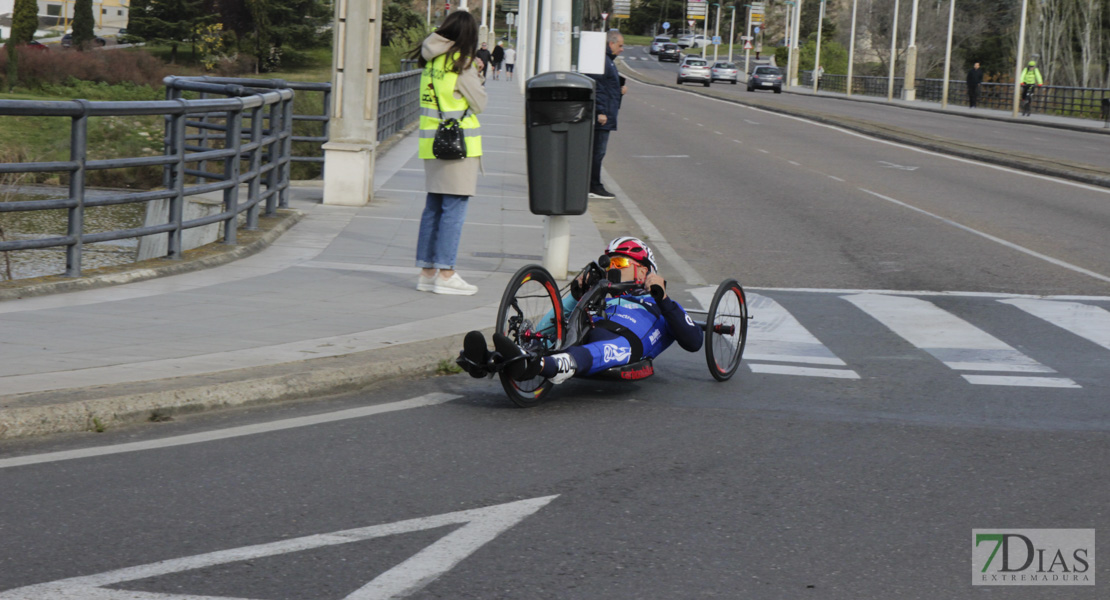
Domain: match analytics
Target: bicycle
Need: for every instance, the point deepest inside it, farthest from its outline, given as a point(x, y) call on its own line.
point(531, 314)
point(1027, 93)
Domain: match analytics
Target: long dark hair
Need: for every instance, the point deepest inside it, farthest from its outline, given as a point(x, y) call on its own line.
point(461, 28)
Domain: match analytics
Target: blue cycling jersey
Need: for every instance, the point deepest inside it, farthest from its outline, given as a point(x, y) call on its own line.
point(637, 327)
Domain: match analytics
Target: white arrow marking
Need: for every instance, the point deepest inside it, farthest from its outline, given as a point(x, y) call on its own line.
point(480, 526)
point(890, 165)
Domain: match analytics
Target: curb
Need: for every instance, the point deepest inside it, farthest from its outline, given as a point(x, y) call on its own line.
point(102, 407)
point(1087, 174)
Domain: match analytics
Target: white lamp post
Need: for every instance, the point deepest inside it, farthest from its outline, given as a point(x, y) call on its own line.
point(893, 48)
point(852, 47)
point(1020, 57)
point(817, 54)
point(948, 54)
point(908, 90)
point(716, 32)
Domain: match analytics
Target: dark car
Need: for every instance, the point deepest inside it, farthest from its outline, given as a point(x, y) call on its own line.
point(670, 53)
point(657, 43)
point(765, 77)
point(67, 40)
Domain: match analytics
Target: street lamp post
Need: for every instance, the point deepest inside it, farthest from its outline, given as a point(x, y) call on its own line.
point(852, 47)
point(893, 48)
point(1020, 57)
point(797, 38)
point(790, 8)
point(908, 90)
point(716, 32)
point(817, 53)
point(948, 54)
point(731, 32)
point(747, 41)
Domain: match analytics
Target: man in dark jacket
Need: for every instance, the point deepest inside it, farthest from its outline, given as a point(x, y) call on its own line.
point(609, 90)
point(497, 56)
point(484, 55)
point(974, 78)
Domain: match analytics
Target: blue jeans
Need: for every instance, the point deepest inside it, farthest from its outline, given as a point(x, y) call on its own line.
point(440, 229)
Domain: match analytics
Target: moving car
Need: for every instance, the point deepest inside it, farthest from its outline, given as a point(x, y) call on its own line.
point(765, 77)
point(670, 53)
point(725, 71)
point(695, 68)
point(67, 40)
point(657, 43)
point(693, 41)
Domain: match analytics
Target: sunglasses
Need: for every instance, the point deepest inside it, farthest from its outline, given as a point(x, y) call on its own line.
point(620, 262)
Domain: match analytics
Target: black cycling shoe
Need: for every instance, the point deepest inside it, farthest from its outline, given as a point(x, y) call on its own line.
point(519, 365)
point(474, 355)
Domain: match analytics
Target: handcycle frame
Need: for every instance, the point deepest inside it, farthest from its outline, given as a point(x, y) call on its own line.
point(725, 334)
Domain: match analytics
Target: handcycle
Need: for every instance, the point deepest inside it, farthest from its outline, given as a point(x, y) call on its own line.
point(531, 314)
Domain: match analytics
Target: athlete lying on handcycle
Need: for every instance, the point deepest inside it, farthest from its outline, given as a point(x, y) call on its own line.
point(639, 323)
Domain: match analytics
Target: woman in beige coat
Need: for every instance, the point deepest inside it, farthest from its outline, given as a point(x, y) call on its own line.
point(450, 183)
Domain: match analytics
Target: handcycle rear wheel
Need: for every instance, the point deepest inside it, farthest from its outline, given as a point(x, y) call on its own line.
point(726, 330)
point(530, 314)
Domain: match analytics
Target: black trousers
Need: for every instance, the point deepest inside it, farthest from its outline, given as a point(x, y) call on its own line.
point(601, 143)
point(973, 96)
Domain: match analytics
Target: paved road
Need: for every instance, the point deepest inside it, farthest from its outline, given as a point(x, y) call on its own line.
point(911, 386)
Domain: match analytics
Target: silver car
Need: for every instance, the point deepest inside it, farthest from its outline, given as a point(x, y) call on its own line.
point(657, 44)
point(725, 71)
point(695, 68)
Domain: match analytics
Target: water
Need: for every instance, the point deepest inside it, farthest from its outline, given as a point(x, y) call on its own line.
point(41, 224)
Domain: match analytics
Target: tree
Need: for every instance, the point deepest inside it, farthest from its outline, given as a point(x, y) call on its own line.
point(25, 21)
point(83, 24)
point(173, 22)
point(397, 17)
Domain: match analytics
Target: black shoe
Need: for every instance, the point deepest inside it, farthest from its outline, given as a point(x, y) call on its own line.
point(519, 365)
point(600, 193)
point(474, 355)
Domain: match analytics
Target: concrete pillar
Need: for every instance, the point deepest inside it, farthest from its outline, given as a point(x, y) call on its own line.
point(349, 152)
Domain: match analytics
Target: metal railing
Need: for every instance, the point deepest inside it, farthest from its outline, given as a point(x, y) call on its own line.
point(265, 153)
point(207, 141)
point(1086, 103)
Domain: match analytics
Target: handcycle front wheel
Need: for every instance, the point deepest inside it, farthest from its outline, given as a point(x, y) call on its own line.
point(531, 315)
point(726, 330)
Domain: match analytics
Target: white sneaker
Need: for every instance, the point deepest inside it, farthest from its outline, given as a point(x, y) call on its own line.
point(454, 286)
point(425, 284)
point(565, 365)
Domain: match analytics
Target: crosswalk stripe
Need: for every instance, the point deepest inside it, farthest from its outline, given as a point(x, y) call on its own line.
point(1086, 321)
point(954, 342)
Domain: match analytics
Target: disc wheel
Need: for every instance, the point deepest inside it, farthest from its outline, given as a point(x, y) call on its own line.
point(726, 330)
point(530, 314)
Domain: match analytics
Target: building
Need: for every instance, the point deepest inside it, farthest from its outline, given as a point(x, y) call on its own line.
point(109, 14)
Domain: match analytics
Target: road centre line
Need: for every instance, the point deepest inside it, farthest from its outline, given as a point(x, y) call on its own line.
point(1002, 295)
point(992, 238)
point(231, 432)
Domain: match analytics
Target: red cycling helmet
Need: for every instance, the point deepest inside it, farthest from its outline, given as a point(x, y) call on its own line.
point(632, 248)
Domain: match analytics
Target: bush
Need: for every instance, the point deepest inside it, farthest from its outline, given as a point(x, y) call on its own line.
point(56, 67)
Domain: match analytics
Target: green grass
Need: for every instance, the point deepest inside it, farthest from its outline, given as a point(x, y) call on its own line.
point(637, 40)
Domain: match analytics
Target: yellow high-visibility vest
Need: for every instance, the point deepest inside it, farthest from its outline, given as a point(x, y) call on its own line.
point(442, 81)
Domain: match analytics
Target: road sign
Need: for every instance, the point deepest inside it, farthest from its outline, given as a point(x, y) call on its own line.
point(748, 45)
point(604, 15)
point(691, 22)
point(746, 38)
point(716, 40)
point(622, 9)
point(666, 26)
point(756, 29)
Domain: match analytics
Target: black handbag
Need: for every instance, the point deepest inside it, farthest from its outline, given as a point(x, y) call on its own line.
point(450, 140)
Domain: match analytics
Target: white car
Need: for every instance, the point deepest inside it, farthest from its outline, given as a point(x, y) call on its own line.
point(695, 68)
point(693, 41)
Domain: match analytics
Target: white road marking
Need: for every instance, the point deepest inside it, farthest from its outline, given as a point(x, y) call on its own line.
point(718, 133)
point(995, 239)
point(957, 344)
point(1084, 320)
point(795, 163)
point(836, 178)
point(890, 165)
point(661, 156)
point(751, 122)
point(1047, 382)
point(800, 371)
point(480, 526)
point(764, 151)
point(223, 434)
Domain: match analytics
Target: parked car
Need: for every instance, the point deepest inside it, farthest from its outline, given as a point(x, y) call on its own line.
point(693, 41)
point(695, 68)
point(725, 71)
point(67, 40)
point(765, 77)
point(36, 45)
point(657, 43)
point(670, 53)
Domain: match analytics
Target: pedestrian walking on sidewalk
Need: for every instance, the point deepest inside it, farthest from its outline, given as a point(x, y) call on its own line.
point(974, 78)
point(510, 62)
point(610, 89)
point(498, 55)
point(484, 59)
point(451, 87)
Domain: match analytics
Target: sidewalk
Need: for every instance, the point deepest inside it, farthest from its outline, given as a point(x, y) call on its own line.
point(329, 307)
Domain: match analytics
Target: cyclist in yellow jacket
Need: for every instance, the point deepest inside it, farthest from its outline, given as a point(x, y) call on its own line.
point(1030, 76)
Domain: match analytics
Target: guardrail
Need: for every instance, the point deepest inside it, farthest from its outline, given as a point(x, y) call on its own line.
point(1086, 103)
point(266, 153)
point(207, 142)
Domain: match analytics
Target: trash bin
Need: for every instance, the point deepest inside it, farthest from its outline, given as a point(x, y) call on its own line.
point(559, 112)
